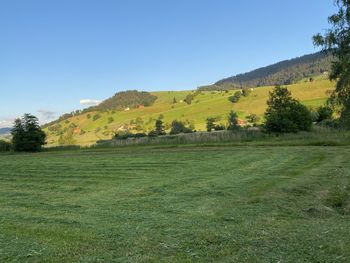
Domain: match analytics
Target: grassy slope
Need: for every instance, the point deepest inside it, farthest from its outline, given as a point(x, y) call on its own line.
point(230, 204)
point(203, 106)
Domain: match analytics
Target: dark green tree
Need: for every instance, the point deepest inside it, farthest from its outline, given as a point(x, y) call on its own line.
point(324, 113)
point(110, 119)
point(159, 127)
point(179, 127)
point(174, 100)
point(210, 124)
point(235, 98)
point(27, 135)
point(337, 41)
point(5, 146)
point(189, 98)
point(246, 92)
point(232, 121)
point(285, 114)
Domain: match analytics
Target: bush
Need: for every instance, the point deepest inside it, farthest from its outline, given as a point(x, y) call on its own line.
point(314, 115)
point(126, 135)
point(5, 146)
point(246, 92)
point(330, 123)
point(152, 134)
point(324, 113)
point(253, 119)
point(96, 117)
point(189, 99)
point(212, 126)
point(219, 127)
point(179, 127)
point(235, 98)
point(110, 119)
point(285, 114)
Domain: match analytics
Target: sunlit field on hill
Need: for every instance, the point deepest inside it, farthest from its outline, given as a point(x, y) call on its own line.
point(206, 104)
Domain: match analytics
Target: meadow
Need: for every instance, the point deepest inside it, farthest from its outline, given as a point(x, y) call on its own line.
point(185, 203)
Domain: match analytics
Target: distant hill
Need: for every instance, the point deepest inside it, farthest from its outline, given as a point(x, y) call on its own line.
point(127, 99)
point(85, 128)
point(5, 131)
point(282, 73)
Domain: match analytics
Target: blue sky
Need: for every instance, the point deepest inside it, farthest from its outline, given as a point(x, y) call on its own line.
point(55, 53)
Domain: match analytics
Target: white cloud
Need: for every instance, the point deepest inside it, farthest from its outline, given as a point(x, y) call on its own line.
point(90, 102)
point(47, 114)
point(6, 123)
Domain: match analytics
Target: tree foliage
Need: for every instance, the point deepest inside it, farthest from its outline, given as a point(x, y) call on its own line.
point(286, 114)
point(337, 40)
point(324, 113)
point(253, 119)
point(179, 127)
point(5, 146)
point(127, 99)
point(235, 98)
point(159, 127)
point(232, 121)
point(189, 98)
point(27, 135)
point(210, 123)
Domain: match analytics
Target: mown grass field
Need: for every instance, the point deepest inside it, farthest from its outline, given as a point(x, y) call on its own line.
point(207, 104)
point(177, 204)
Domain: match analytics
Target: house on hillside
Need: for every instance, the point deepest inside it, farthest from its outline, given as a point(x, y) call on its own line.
point(127, 109)
point(77, 130)
point(241, 122)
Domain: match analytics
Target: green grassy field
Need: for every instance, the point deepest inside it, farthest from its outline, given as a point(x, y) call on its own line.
point(176, 204)
point(207, 104)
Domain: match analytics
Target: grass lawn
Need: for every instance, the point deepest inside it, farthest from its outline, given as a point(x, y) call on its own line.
point(176, 204)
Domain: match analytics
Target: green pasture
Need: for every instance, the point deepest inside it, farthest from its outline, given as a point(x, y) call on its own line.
point(177, 204)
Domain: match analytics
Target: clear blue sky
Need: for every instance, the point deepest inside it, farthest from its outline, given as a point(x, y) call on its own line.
point(55, 53)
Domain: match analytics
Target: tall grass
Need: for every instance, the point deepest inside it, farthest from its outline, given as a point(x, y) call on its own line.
point(318, 137)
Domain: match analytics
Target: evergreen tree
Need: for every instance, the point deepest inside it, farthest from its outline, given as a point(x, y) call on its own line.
point(18, 135)
point(210, 124)
point(159, 127)
point(27, 134)
point(232, 121)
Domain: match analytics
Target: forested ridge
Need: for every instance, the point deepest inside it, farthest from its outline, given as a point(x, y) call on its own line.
point(282, 73)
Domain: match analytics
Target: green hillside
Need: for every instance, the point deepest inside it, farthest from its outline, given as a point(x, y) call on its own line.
point(88, 127)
